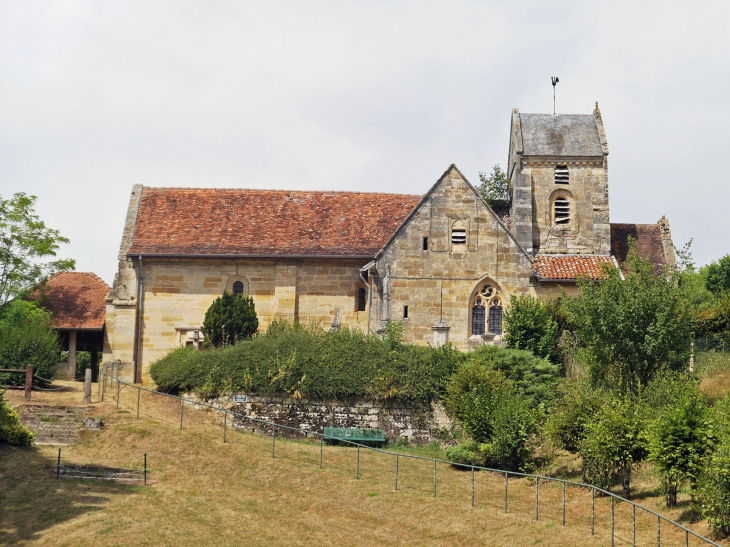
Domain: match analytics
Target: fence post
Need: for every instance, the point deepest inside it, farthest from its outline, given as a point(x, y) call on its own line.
point(182, 403)
point(633, 524)
point(505, 493)
point(686, 538)
point(563, 504)
point(117, 393)
point(658, 532)
point(103, 387)
point(321, 441)
point(397, 456)
point(58, 465)
point(593, 509)
point(28, 381)
point(87, 386)
point(145, 467)
point(357, 473)
point(139, 390)
point(434, 478)
point(611, 521)
point(273, 441)
point(537, 498)
point(225, 424)
point(472, 486)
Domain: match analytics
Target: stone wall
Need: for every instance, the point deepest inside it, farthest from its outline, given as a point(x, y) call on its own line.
point(178, 292)
point(419, 423)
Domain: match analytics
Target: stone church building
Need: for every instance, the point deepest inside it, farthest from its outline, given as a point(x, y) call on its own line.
point(444, 263)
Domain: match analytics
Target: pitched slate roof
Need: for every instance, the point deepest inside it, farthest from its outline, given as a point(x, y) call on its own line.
point(242, 222)
point(569, 267)
point(76, 300)
point(560, 135)
point(648, 241)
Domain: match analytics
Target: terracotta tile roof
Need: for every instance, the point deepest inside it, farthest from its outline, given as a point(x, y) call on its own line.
point(76, 300)
point(188, 221)
point(569, 267)
point(648, 241)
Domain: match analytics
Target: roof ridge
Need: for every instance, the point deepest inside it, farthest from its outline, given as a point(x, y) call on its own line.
point(281, 191)
point(89, 274)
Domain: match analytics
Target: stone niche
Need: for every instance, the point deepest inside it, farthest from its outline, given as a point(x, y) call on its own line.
point(188, 335)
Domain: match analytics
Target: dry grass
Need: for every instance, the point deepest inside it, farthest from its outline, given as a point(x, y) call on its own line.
point(206, 492)
point(715, 370)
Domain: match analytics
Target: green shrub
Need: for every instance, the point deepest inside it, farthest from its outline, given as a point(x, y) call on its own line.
point(230, 318)
point(536, 378)
point(614, 442)
point(30, 344)
point(308, 362)
point(713, 489)
point(11, 431)
point(576, 405)
point(679, 433)
point(466, 453)
point(496, 417)
point(529, 325)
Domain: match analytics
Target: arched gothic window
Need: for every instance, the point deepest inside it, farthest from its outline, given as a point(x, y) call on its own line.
point(237, 288)
point(486, 310)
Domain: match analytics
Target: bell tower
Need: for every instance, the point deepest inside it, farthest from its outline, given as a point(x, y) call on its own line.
point(558, 165)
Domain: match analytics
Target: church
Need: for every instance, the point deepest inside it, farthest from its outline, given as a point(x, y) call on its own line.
point(443, 263)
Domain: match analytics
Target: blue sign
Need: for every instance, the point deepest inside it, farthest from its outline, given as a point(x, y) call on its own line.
point(240, 398)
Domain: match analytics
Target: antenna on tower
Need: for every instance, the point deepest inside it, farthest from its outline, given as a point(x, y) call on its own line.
point(555, 81)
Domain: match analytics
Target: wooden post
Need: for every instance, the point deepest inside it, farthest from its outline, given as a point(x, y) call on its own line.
point(28, 381)
point(87, 386)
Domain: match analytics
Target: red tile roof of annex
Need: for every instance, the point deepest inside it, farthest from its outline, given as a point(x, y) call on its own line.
point(76, 300)
point(569, 267)
point(243, 222)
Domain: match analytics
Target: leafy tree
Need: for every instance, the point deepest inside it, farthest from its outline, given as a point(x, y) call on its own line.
point(498, 419)
point(26, 337)
point(495, 187)
point(473, 394)
point(630, 328)
point(529, 325)
point(11, 431)
point(713, 490)
point(230, 318)
point(24, 241)
point(614, 442)
point(718, 275)
point(576, 405)
point(679, 435)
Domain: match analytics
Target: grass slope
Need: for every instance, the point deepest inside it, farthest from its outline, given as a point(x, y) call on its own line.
point(205, 492)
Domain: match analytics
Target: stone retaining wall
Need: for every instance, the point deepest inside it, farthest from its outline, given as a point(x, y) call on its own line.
point(419, 423)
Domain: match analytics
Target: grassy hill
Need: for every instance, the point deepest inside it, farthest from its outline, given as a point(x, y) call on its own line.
point(202, 491)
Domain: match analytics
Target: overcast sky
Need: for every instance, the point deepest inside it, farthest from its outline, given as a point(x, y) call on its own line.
point(368, 96)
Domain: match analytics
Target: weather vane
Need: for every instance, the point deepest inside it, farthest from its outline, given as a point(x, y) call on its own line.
point(555, 81)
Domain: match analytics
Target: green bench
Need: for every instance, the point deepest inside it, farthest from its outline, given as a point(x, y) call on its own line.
point(354, 434)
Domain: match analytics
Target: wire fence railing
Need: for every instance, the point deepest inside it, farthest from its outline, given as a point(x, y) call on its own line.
point(560, 501)
point(74, 468)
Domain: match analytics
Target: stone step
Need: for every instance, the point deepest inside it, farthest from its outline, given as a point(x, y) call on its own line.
point(54, 424)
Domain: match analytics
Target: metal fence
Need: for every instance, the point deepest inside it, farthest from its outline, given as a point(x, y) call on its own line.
point(665, 529)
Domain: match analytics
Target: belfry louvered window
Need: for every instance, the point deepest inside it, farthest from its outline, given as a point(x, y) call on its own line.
point(458, 233)
point(561, 174)
point(561, 211)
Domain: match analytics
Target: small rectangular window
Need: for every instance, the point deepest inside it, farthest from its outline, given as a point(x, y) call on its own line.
point(425, 244)
point(405, 312)
point(561, 174)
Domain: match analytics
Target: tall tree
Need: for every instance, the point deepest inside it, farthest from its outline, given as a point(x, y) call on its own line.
point(25, 241)
point(495, 187)
point(630, 328)
point(229, 319)
point(718, 275)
